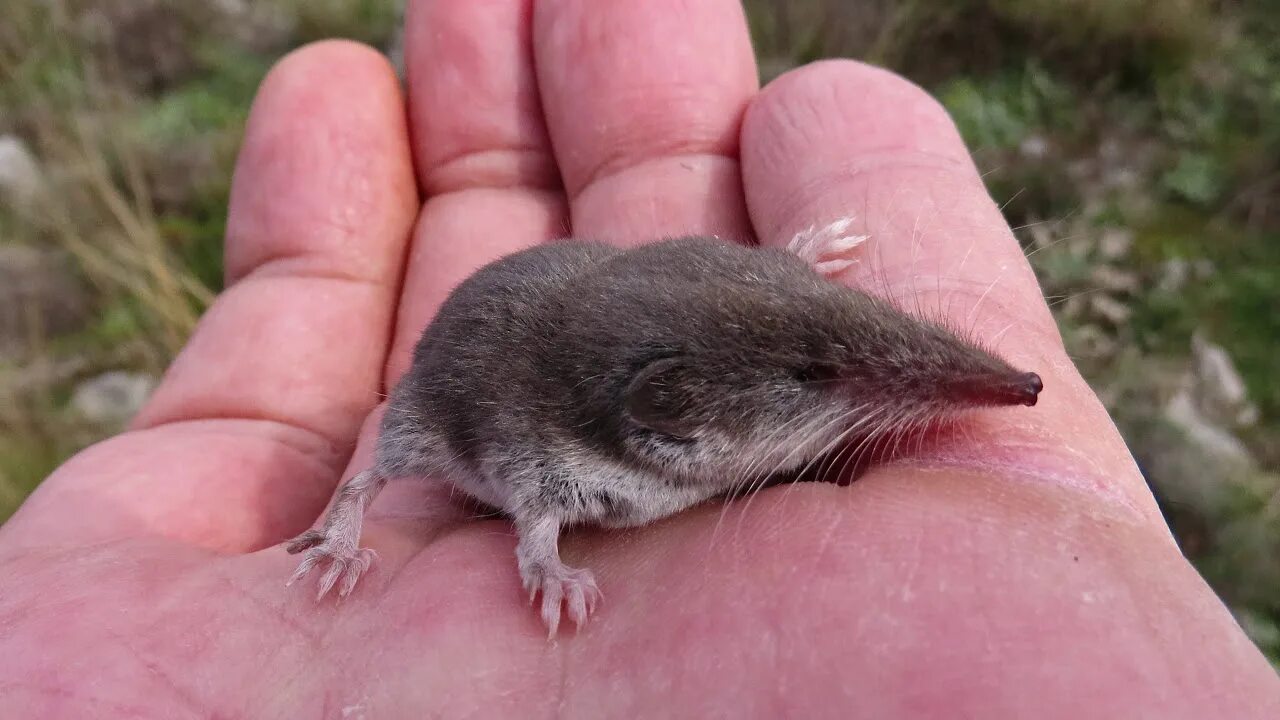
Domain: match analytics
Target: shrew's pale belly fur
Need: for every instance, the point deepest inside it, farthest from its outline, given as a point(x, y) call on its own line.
point(597, 492)
point(639, 496)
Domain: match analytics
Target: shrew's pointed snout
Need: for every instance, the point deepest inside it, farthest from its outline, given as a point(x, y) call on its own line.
point(1019, 388)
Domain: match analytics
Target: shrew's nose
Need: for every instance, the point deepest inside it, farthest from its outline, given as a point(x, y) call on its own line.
point(1031, 385)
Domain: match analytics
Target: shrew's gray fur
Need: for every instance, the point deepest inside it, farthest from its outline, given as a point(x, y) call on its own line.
point(580, 383)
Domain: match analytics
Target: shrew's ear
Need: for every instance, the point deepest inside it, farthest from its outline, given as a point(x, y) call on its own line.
point(658, 396)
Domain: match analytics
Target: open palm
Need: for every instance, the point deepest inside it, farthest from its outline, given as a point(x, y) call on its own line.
point(1023, 572)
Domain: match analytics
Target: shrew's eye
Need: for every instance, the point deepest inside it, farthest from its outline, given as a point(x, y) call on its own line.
point(815, 372)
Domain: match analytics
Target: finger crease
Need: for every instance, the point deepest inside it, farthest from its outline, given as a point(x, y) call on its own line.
point(516, 167)
point(308, 442)
point(875, 162)
point(622, 164)
point(308, 268)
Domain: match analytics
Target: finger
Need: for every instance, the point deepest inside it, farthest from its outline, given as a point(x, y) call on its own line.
point(484, 161)
point(839, 138)
point(320, 213)
point(243, 441)
point(643, 100)
point(481, 149)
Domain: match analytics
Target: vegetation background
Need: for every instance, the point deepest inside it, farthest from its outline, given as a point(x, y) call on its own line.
point(1134, 145)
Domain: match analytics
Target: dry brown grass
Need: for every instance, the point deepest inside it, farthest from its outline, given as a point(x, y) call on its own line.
point(95, 205)
point(98, 205)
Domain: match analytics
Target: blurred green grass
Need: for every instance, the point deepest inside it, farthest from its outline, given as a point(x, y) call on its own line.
point(1085, 116)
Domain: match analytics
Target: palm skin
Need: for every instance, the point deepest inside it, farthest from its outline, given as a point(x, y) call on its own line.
point(1021, 572)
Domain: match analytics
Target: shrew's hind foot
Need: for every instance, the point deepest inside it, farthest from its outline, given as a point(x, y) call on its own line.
point(345, 564)
point(334, 546)
point(830, 250)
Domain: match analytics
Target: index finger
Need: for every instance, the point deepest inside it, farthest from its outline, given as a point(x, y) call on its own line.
point(840, 138)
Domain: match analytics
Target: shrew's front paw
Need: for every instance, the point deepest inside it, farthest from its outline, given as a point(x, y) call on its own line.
point(574, 589)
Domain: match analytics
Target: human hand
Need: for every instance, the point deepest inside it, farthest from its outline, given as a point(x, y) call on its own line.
point(1024, 573)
